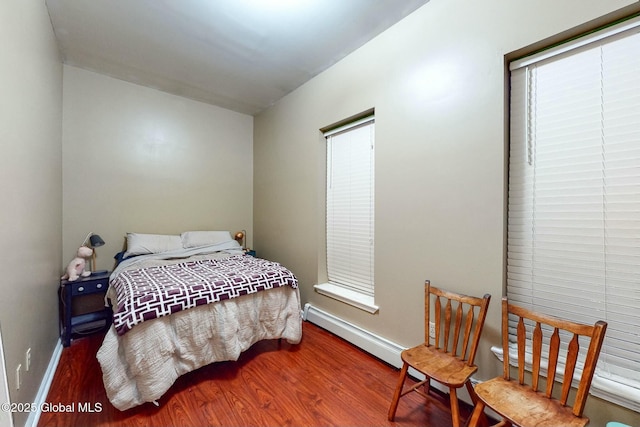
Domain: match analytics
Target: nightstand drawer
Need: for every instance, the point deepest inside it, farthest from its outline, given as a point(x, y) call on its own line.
point(91, 287)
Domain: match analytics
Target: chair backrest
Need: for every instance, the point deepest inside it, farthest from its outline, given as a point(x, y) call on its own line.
point(561, 339)
point(458, 321)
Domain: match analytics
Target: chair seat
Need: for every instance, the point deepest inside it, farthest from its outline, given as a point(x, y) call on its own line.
point(509, 397)
point(438, 365)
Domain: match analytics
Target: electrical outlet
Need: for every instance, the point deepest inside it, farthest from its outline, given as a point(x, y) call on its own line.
point(27, 359)
point(432, 330)
point(18, 377)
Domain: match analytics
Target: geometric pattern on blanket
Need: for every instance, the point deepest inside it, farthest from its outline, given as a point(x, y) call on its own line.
point(152, 292)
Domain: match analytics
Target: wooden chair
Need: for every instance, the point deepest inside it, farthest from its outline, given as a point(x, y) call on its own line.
point(524, 404)
point(449, 359)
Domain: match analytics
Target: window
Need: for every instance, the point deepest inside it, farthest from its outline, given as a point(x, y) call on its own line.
point(574, 194)
point(350, 214)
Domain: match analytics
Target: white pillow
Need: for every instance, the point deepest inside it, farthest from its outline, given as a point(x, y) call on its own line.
point(142, 244)
point(194, 239)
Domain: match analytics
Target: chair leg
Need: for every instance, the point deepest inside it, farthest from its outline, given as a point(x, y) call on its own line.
point(455, 410)
point(483, 420)
point(478, 411)
point(472, 392)
point(427, 385)
point(398, 392)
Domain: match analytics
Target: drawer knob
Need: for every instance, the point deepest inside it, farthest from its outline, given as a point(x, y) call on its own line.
point(99, 285)
point(80, 289)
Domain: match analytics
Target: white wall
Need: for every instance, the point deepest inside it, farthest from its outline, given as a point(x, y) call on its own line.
point(30, 191)
point(437, 83)
point(139, 160)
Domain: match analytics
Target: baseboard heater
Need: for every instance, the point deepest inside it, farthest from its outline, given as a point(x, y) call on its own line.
point(374, 344)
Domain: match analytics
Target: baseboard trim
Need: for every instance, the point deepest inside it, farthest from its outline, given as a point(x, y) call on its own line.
point(45, 384)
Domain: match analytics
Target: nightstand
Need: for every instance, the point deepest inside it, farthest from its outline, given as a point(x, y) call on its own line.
point(94, 284)
point(250, 252)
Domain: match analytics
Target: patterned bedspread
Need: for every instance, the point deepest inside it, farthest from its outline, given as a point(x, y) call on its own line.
point(152, 292)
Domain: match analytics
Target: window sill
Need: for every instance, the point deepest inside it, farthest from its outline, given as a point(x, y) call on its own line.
point(348, 296)
point(603, 387)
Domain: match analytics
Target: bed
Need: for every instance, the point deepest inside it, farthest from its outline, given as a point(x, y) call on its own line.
point(182, 302)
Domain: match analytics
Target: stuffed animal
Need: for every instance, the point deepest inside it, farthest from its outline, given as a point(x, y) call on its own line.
point(75, 269)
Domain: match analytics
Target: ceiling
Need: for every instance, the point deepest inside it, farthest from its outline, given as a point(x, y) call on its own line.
point(242, 55)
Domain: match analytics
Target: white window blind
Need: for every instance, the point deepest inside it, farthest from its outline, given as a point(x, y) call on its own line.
point(574, 193)
point(350, 210)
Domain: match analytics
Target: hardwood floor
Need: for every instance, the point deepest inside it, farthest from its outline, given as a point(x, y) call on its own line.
point(323, 381)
